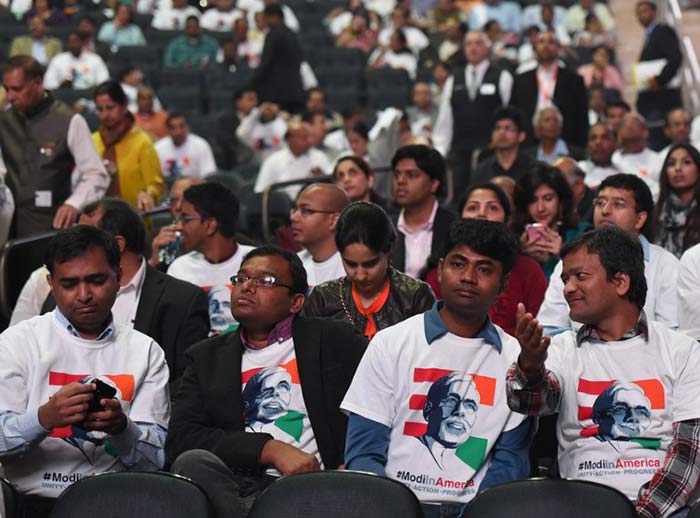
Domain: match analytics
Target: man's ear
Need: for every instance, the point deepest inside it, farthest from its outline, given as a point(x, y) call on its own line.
point(334, 221)
point(49, 279)
point(621, 281)
point(211, 226)
point(298, 301)
point(641, 220)
point(440, 266)
point(121, 242)
point(434, 186)
point(521, 137)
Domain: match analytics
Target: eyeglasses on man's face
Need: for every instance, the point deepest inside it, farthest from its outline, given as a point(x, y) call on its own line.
point(186, 218)
point(263, 281)
point(305, 211)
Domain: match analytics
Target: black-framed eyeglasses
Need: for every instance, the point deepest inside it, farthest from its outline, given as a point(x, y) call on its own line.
point(264, 281)
point(305, 211)
point(186, 218)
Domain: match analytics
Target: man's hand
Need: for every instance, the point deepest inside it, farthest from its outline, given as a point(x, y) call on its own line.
point(533, 347)
point(287, 459)
point(66, 407)
point(111, 420)
point(166, 235)
point(65, 216)
point(144, 201)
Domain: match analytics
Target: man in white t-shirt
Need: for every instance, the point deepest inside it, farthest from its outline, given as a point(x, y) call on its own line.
point(263, 401)
point(625, 387)
point(173, 16)
point(221, 17)
point(689, 292)
point(77, 68)
point(207, 225)
point(601, 145)
point(633, 155)
point(427, 404)
point(79, 393)
point(296, 161)
point(623, 201)
point(183, 153)
point(314, 218)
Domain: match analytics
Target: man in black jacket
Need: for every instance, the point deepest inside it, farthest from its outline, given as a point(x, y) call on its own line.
point(660, 93)
point(263, 401)
point(277, 78)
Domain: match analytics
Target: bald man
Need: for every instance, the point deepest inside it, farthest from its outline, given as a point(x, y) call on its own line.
point(314, 218)
point(295, 161)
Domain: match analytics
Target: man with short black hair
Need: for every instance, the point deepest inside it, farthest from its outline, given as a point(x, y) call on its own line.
point(419, 177)
point(75, 68)
point(625, 386)
point(601, 146)
point(79, 393)
point(192, 49)
point(207, 225)
point(263, 401)
point(183, 153)
point(436, 412)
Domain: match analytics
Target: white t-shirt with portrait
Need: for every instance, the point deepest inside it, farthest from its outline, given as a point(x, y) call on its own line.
point(214, 279)
point(404, 383)
point(272, 398)
point(619, 402)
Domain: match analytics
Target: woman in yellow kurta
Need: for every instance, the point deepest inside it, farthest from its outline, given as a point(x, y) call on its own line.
point(127, 151)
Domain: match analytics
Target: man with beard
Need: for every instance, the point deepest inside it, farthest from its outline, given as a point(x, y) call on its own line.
point(263, 401)
point(434, 379)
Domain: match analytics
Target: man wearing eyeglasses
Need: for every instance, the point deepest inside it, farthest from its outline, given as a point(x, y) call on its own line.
point(264, 400)
point(207, 225)
point(624, 201)
point(314, 218)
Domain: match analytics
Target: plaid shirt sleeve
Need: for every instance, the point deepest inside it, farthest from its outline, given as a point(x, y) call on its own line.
point(673, 484)
point(535, 395)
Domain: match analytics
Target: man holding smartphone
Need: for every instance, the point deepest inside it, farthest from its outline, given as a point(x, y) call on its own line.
point(79, 393)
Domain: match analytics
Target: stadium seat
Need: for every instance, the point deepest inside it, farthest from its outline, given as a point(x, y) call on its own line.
point(340, 494)
point(537, 498)
point(70, 96)
point(136, 55)
point(181, 98)
point(116, 495)
point(8, 509)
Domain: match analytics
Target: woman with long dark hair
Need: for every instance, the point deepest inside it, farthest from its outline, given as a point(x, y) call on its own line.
point(677, 213)
point(372, 295)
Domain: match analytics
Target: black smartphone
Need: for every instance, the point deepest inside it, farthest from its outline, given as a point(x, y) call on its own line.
point(103, 391)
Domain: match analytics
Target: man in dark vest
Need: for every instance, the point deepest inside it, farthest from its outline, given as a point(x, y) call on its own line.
point(470, 97)
point(41, 141)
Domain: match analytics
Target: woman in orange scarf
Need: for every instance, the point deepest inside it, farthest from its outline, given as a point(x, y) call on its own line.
point(373, 295)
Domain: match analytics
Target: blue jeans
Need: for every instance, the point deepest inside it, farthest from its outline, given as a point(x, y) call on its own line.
point(442, 510)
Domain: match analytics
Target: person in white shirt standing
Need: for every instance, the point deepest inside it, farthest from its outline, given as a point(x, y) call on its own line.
point(78, 69)
point(298, 160)
point(79, 393)
point(184, 154)
point(314, 218)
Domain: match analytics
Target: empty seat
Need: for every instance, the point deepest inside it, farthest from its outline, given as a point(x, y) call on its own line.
point(136, 55)
point(181, 99)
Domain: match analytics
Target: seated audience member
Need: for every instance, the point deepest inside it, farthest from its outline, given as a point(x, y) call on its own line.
point(677, 213)
point(44, 10)
point(207, 225)
point(232, 150)
point(614, 113)
point(172, 16)
point(126, 150)
point(358, 34)
point(77, 68)
point(450, 48)
point(545, 217)
point(503, 49)
point(582, 195)
point(172, 312)
point(416, 40)
point(600, 72)
point(296, 161)
point(688, 291)
point(250, 42)
point(577, 13)
point(633, 156)
point(443, 13)
point(419, 177)
point(183, 153)
point(597, 104)
point(221, 17)
point(505, 12)
point(165, 246)
point(317, 134)
point(338, 138)
point(507, 134)
point(462, 430)
point(131, 80)
point(273, 422)
point(547, 125)
point(121, 31)
point(395, 55)
point(594, 34)
point(316, 103)
point(423, 113)
point(357, 178)
point(624, 385)
point(601, 145)
point(52, 366)
point(676, 129)
point(313, 222)
point(547, 22)
point(372, 295)
point(263, 129)
point(151, 120)
point(36, 44)
point(192, 49)
point(526, 282)
point(623, 201)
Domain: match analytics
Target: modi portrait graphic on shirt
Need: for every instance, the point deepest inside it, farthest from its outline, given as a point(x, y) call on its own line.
point(220, 319)
point(621, 411)
point(450, 410)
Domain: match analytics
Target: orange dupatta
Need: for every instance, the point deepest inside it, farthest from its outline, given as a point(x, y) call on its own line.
point(371, 327)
